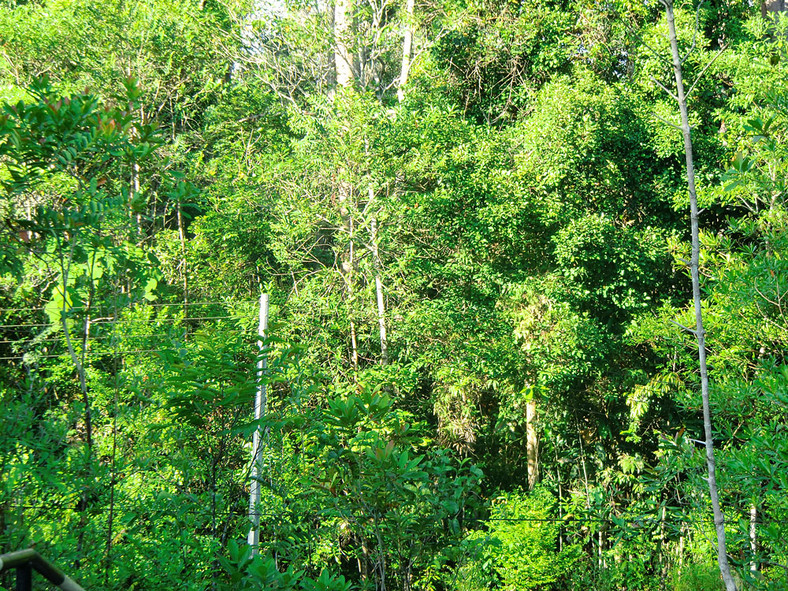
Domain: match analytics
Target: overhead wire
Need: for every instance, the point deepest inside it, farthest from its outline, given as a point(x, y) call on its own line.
point(123, 322)
point(142, 304)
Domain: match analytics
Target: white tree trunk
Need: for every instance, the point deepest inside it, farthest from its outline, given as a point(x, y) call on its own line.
point(384, 347)
point(719, 518)
point(753, 538)
point(260, 402)
point(532, 442)
point(183, 266)
point(343, 58)
point(351, 292)
point(407, 49)
point(343, 67)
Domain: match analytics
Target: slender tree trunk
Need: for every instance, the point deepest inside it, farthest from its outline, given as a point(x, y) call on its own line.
point(560, 503)
point(135, 189)
point(719, 518)
point(532, 442)
point(384, 347)
point(184, 268)
point(79, 361)
point(343, 59)
point(681, 549)
point(347, 271)
point(772, 6)
point(753, 538)
point(343, 65)
point(583, 462)
point(601, 550)
point(407, 49)
point(134, 184)
point(258, 438)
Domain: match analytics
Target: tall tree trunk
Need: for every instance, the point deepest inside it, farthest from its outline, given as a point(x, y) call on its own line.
point(753, 538)
point(407, 49)
point(384, 347)
point(184, 267)
point(719, 518)
point(348, 267)
point(260, 402)
point(135, 189)
point(532, 442)
point(343, 65)
point(343, 58)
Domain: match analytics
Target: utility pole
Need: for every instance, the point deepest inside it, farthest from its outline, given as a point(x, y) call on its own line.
point(257, 441)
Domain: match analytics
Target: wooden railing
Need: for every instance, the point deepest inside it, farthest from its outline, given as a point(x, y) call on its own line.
point(26, 561)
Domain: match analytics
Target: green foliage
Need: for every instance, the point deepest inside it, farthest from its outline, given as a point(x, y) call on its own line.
point(697, 577)
point(407, 508)
point(521, 543)
point(519, 211)
point(248, 572)
point(495, 65)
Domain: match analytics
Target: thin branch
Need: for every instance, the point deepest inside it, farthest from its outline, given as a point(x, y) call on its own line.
point(760, 293)
point(703, 71)
point(694, 36)
point(673, 125)
point(653, 52)
point(689, 330)
point(663, 87)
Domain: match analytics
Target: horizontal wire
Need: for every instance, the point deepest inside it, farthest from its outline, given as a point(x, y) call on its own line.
point(58, 339)
point(110, 352)
point(579, 520)
point(158, 305)
point(145, 321)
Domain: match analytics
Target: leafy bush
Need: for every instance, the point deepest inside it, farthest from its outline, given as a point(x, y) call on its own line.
point(697, 577)
point(520, 549)
point(247, 571)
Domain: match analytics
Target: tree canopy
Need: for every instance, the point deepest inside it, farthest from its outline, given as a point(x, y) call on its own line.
point(472, 221)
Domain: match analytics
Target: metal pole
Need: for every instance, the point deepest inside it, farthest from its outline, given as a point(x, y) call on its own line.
point(257, 441)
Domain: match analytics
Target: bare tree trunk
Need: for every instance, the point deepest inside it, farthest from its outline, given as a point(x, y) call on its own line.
point(583, 462)
point(135, 189)
point(719, 518)
point(134, 184)
point(601, 548)
point(343, 60)
point(753, 538)
point(347, 271)
point(407, 49)
point(343, 66)
point(560, 503)
point(258, 438)
point(184, 269)
point(532, 442)
point(384, 347)
point(681, 548)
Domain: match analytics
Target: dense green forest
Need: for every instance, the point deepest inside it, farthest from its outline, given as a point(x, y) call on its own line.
point(471, 219)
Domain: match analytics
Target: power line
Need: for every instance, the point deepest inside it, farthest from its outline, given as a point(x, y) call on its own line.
point(124, 322)
point(58, 339)
point(126, 352)
point(578, 520)
point(142, 304)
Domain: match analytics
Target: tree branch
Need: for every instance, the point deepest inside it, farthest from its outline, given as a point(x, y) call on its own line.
point(663, 87)
point(689, 330)
point(703, 71)
point(673, 125)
